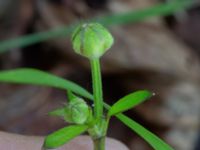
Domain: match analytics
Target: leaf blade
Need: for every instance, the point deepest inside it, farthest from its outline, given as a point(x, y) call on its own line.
point(142, 132)
point(37, 77)
point(129, 101)
point(148, 136)
point(64, 135)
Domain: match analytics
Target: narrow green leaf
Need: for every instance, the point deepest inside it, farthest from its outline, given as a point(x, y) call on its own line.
point(37, 77)
point(162, 9)
point(58, 112)
point(129, 101)
point(64, 135)
point(151, 138)
point(148, 136)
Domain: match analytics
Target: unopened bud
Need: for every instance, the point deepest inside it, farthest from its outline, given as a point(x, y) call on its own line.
point(77, 111)
point(91, 40)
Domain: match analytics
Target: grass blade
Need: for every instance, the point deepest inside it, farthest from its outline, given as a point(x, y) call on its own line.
point(117, 19)
point(163, 9)
point(37, 77)
point(64, 135)
point(129, 101)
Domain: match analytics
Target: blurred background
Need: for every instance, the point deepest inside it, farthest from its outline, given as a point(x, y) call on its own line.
point(157, 47)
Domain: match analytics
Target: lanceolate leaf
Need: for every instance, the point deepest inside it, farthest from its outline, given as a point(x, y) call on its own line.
point(63, 136)
point(37, 77)
point(148, 136)
point(129, 101)
point(151, 138)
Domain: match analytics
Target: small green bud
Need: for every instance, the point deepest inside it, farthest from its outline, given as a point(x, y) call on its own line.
point(91, 40)
point(77, 111)
point(98, 130)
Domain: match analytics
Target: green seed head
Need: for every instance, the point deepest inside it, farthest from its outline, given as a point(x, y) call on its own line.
point(77, 111)
point(91, 40)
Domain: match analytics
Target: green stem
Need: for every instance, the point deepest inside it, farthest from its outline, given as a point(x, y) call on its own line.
point(99, 136)
point(97, 89)
point(99, 144)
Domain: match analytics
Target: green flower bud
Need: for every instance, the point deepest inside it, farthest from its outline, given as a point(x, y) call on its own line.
point(77, 111)
point(91, 40)
point(98, 130)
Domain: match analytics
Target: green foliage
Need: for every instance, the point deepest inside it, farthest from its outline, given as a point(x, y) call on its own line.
point(17, 76)
point(151, 138)
point(108, 20)
point(135, 16)
point(77, 111)
point(128, 102)
point(64, 135)
point(37, 77)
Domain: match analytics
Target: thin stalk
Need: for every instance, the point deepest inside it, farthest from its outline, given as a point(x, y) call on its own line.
point(97, 89)
point(99, 144)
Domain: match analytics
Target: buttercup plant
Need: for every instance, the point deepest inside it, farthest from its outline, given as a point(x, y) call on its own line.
point(90, 40)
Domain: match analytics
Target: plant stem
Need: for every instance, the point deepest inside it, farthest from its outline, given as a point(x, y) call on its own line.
point(99, 144)
point(97, 89)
